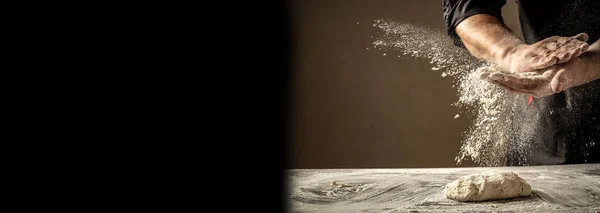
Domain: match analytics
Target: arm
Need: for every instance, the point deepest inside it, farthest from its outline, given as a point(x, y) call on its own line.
point(583, 70)
point(595, 47)
point(487, 38)
point(593, 56)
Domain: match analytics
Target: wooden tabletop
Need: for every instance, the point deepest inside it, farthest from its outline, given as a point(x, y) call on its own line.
point(558, 188)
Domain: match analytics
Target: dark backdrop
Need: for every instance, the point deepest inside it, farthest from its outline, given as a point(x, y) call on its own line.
point(354, 108)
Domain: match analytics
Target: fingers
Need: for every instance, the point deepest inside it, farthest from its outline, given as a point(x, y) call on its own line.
point(554, 42)
point(483, 75)
point(510, 81)
point(512, 89)
point(568, 47)
point(576, 52)
point(584, 47)
point(580, 43)
point(534, 84)
point(496, 76)
point(582, 37)
point(569, 50)
point(550, 51)
point(509, 89)
point(517, 83)
point(563, 57)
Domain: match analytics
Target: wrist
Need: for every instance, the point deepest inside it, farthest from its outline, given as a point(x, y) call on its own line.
point(595, 65)
point(591, 63)
point(503, 56)
point(593, 52)
point(595, 47)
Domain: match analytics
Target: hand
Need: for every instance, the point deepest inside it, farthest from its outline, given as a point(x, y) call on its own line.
point(548, 81)
point(542, 54)
point(536, 84)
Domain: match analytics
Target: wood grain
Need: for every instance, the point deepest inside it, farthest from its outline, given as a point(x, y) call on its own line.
point(559, 188)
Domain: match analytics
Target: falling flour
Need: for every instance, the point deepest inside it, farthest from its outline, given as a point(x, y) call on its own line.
point(485, 142)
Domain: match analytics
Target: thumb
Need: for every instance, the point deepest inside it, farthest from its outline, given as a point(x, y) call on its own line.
point(557, 83)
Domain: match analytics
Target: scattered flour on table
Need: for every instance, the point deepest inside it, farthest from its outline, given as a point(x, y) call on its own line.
point(485, 142)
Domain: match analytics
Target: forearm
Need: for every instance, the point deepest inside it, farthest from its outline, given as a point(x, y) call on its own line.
point(596, 66)
point(595, 47)
point(487, 38)
point(585, 69)
point(593, 58)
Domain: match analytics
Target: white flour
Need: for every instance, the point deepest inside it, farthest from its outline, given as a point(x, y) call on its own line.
point(486, 140)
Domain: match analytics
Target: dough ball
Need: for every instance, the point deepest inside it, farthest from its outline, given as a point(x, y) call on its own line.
point(487, 186)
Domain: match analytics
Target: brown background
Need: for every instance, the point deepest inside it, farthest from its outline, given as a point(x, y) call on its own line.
point(355, 108)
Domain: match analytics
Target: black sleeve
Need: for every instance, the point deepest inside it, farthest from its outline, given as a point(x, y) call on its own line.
point(457, 10)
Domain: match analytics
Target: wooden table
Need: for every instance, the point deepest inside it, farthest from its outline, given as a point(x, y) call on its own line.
point(559, 188)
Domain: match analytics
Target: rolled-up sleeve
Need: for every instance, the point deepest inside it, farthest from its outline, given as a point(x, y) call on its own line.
point(456, 11)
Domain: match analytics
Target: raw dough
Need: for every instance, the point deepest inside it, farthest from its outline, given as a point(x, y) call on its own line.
point(487, 186)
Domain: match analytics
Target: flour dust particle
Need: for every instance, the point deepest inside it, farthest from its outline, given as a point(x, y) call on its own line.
point(486, 140)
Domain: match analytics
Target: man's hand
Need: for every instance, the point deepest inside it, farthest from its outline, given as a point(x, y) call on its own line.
point(487, 38)
point(577, 71)
point(538, 69)
point(536, 84)
point(543, 54)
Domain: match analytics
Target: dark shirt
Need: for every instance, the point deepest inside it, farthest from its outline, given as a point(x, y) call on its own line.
point(563, 128)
